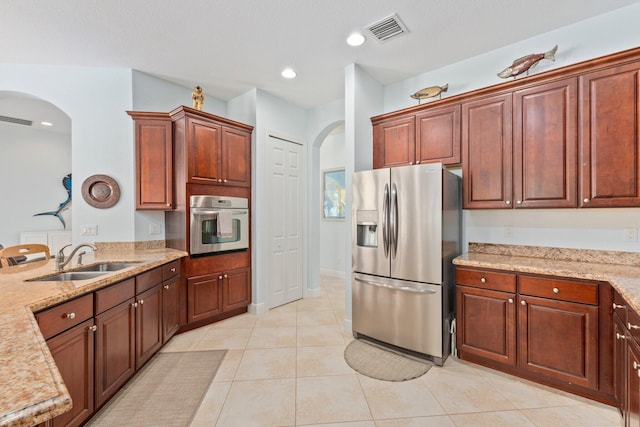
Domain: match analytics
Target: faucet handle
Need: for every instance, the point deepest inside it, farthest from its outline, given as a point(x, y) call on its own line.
point(61, 251)
point(80, 257)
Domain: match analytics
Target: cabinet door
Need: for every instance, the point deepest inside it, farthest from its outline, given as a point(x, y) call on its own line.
point(154, 164)
point(148, 324)
point(609, 140)
point(170, 307)
point(115, 349)
point(236, 289)
point(394, 143)
point(545, 144)
point(559, 340)
point(487, 152)
point(72, 351)
point(632, 414)
point(438, 135)
point(236, 157)
point(486, 324)
point(204, 149)
point(204, 294)
point(619, 364)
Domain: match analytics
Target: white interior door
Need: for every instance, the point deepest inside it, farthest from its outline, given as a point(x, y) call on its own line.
point(286, 220)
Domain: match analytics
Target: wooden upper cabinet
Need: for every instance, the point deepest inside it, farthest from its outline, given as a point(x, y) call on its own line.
point(154, 160)
point(236, 157)
point(487, 152)
point(438, 135)
point(204, 151)
point(545, 145)
point(609, 141)
point(394, 142)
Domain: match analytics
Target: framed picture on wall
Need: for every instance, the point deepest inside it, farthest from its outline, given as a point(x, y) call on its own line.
point(333, 194)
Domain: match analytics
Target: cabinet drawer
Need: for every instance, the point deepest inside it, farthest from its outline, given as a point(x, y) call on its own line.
point(114, 295)
point(486, 279)
point(560, 289)
point(148, 279)
point(170, 270)
point(620, 306)
point(64, 316)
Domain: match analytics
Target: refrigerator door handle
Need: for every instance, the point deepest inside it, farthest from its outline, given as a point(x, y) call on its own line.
point(394, 221)
point(396, 288)
point(385, 221)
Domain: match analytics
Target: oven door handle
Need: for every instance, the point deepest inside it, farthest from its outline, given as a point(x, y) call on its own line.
point(217, 212)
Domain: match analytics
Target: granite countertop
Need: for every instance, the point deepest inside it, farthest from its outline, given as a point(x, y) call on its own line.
point(620, 269)
point(32, 390)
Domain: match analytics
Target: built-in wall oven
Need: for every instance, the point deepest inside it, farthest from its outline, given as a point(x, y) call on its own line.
point(218, 224)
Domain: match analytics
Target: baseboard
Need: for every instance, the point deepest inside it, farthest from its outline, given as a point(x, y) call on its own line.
point(332, 273)
point(257, 308)
point(312, 293)
point(348, 326)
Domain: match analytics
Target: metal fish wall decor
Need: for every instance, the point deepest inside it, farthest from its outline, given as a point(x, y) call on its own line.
point(66, 183)
point(525, 63)
point(429, 92)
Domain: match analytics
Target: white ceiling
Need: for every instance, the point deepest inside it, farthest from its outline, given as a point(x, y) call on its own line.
point(229, 47)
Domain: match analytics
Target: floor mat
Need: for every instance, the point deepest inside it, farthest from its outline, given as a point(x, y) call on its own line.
point(166, 392)
point(381, 363)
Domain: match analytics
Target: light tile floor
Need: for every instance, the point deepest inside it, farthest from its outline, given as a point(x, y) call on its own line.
point(286, 368)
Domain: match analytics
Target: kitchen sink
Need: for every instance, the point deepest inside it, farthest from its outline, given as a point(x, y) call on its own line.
point(105, 266)
point(71, 275)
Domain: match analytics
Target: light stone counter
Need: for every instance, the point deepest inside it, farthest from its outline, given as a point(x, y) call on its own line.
point(620, 269)
point(31, 389)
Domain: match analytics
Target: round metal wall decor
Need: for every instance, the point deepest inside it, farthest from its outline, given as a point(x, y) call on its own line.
point(100, 191)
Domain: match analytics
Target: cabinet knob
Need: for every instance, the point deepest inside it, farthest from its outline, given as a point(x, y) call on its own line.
point(635, 365)
point(70, 316)
point(630, 326)
point(134, 305)
point(224, 180)
point(418, 162)
point(92, 328)
point(166, 286)
point(523, 302)
point(620, 336)
point(586, 200)
point(219, 180)
point(410, 163)
point(219, 277)
point(617, 306)
point(483, 280)
point(508, 202)
point(518, 202)
point(510, 300)
point(141, 302)
point(226, 277)
point(556, 290)
point(173, 270)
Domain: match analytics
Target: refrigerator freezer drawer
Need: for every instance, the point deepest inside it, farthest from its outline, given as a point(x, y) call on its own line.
point(404, 314)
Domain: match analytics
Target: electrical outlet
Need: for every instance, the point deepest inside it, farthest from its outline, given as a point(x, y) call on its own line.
point(154, 229)
point(89, 230)
point(508, 231)
point(630, 234)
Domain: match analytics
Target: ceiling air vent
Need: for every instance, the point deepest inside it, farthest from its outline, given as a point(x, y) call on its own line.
point(16, 121)
point(387, 28)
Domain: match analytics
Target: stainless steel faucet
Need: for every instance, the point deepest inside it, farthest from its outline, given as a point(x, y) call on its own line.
point(60, 258)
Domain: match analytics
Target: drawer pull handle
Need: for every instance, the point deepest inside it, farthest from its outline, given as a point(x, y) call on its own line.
point(483, 280)
point(173, 270)
point(556, 290)
point(70, 316)
point(619, 336)
point(93, 328)
point(166, 286)
point(523, 302)
point(617, 306)
point(630, 326)
point(510, 300)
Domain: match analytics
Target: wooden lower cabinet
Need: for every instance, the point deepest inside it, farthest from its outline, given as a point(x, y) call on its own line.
point(626, 359)
point(170, 307)
point(213, 294)
point(148, 324)
point(548, 329)
point(486, 326)
point(72, 351)
point(115, 349)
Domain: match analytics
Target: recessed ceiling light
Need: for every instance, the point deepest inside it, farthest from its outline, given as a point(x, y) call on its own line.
point(288, 73)
point(46, 123)
point(355, 39)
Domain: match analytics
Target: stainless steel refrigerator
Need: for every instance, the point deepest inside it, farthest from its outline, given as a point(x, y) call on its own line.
point(406, 231)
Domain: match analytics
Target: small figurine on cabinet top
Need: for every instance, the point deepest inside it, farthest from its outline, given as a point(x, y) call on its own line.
point(525, 63)
point(429, 92)
point(198, 98)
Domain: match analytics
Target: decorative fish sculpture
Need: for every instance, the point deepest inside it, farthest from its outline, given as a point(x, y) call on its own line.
point(66, 183)
point(429, 92)
point(523, 64)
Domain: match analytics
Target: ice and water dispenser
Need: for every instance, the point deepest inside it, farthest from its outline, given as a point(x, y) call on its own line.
point(366, 228)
